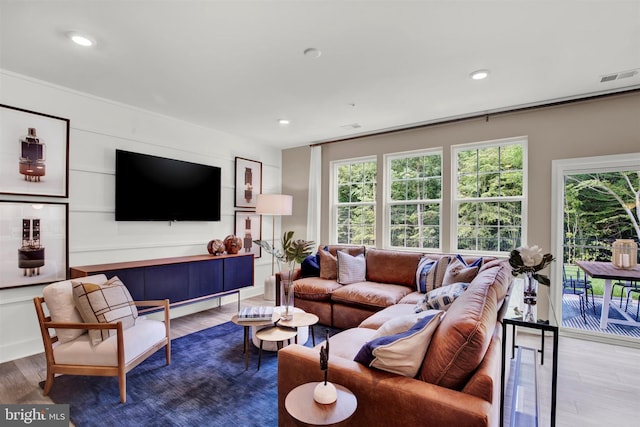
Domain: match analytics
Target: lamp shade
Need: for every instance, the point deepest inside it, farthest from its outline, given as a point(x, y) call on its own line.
point(274, 204)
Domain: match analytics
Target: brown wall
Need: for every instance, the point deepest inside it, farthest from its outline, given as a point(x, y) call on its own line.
point(602, 126)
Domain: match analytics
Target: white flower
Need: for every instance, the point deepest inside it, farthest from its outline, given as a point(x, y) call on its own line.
point(531, 256)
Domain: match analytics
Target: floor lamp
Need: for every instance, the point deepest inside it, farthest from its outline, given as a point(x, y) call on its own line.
point(274, 205)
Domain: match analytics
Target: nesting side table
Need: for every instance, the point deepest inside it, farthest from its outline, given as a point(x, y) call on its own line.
point(247, 324)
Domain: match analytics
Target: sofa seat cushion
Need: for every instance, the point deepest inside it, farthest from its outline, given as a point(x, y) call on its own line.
point(413, 298)
point(461, 341)
point(137, 340)
point(370, 294)
point(62, 307)
point(376, 320)
point(315, 288)
point(347, 344)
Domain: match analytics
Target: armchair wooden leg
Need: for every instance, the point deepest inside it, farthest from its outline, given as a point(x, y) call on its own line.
point(168, 351)
point(122, 381)
point(48, 383)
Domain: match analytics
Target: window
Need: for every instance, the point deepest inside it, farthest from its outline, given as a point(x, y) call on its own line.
point(354, 197)
point(489, 195)
point(413, 199)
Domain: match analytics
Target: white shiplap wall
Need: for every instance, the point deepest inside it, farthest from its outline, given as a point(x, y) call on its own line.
point(97, 127)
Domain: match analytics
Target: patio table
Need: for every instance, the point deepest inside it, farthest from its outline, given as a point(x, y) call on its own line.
point(608, 272)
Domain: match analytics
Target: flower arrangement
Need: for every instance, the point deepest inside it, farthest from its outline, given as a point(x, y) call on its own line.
point(530, 260)
point(292, 251)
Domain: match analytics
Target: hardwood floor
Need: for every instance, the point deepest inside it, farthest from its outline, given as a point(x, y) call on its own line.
point(598, 384)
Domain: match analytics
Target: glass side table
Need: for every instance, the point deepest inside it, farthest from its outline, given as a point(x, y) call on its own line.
point(542, 327)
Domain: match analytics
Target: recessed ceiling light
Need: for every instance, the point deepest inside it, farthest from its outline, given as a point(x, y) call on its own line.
point(312, 52)
point(80, 39)
point(284, 121)
point(479, 74)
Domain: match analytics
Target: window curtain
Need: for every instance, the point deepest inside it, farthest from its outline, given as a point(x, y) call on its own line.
point(315, 187)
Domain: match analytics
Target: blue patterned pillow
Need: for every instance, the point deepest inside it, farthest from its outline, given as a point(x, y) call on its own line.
point(430, 273)
point(401, 353)
point(442, 297)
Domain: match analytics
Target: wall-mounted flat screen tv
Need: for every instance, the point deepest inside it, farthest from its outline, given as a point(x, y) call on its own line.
point(151, 188)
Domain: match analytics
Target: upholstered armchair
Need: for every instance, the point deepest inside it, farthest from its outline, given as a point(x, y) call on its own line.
point(110, 345)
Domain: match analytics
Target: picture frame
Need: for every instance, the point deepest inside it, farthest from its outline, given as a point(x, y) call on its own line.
point(34, 243)
point(248, 226)
point(34, 153)
point(248, 183)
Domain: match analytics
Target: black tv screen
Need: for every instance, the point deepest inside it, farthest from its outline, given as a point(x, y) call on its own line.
point(150, 188)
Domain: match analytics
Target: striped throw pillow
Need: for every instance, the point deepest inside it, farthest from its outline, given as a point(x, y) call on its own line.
point(351, 269)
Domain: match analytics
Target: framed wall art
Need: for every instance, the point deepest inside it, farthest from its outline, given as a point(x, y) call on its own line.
point(34, 244)
point(34, 153)
point(248, 182)
point(249, 228)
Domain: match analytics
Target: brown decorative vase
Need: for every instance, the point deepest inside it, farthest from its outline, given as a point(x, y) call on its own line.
point(216, 247)
point(232, 244)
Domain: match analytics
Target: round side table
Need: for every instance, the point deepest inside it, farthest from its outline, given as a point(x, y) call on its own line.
point(303, 332)
point(247, 324)
point(300, 405)
point(299, 320)
point(275, 334)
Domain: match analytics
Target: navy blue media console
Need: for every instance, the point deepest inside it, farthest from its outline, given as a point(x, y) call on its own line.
point(182, 279)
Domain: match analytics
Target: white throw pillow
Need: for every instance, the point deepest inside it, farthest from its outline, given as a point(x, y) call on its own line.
point(351, 269)
point(401, 323)
point(401, 353)
point(58, 297)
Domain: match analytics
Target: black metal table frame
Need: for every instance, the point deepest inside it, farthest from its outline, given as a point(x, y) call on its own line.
point(554, 372)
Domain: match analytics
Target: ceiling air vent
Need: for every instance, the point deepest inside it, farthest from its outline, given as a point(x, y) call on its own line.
point(618, 76)
point(351, 126)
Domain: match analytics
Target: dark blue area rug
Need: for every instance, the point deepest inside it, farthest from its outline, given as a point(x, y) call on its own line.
point(205, 385)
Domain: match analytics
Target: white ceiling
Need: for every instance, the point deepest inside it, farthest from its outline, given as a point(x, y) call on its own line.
point(238, 66)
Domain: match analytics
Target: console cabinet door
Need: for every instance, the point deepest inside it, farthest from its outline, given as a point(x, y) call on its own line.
point(238, 272)
point(205, 278)
point(133, 279)
point(167, 281)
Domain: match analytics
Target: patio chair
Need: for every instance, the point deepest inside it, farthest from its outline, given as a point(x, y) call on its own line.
point(630, 291)
point(113, 349)
point(570, 286)
point(624, 289)
point(580, 281)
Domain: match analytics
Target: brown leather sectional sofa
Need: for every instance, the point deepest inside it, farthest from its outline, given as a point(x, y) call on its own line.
point(459, 380)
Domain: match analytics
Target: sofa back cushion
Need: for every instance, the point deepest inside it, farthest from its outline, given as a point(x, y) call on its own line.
point(395, 267)
point(461, 341)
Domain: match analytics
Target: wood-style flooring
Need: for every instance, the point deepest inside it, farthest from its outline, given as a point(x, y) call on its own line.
point(598, 384)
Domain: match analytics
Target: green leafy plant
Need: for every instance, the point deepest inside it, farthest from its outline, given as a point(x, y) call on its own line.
point(292, 252)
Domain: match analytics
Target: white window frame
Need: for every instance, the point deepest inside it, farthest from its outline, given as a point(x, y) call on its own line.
point(388, 203)
point(455, 201)
point(333, 185)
